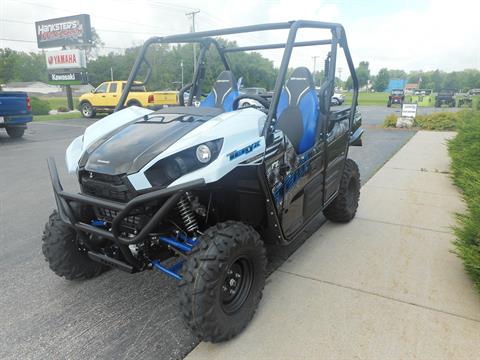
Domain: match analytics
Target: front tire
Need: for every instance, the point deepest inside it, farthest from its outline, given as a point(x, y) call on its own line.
point(344, 207)
point(87, 110)
point(222, 281)
point(15, 132)
point(61, 249)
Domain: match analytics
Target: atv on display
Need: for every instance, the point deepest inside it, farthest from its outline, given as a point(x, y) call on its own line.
point(396, 97)
point(445, 97)
point(196, 192)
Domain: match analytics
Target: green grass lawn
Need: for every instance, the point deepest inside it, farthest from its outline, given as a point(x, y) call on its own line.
point(56, 102)
point(60, 116)
point(365, 98)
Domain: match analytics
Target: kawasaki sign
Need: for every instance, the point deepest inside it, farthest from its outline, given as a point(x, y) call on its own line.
point(68, 78)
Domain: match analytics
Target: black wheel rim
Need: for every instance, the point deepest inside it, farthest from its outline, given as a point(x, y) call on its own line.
point(236, 286)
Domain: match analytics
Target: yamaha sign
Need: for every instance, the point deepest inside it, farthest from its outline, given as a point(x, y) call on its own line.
point(66, 59)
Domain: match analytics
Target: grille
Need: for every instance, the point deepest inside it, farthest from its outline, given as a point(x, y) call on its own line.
point(132, 221)
point(112, 187)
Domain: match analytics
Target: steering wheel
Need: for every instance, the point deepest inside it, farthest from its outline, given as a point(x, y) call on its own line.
point(181, 92)
point(264, 102)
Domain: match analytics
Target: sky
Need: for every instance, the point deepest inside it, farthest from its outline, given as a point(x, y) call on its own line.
point(397, 34)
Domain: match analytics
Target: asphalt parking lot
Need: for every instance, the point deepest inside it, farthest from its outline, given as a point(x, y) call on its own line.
point(116, 315)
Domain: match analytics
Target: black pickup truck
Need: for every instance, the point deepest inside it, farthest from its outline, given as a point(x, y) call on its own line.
point(15, 112)
point(445, 97)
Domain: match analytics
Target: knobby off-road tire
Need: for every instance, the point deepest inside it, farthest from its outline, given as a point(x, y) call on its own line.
point(345, 205)
point(223, 280)
point(61, 250)
point(15, 132)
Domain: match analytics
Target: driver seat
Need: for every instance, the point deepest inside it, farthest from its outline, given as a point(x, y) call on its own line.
point(223, 93)
point(298, 110)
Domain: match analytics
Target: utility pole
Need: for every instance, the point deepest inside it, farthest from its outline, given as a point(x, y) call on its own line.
point(193, 13)
point(181, 65)
point(314, 67)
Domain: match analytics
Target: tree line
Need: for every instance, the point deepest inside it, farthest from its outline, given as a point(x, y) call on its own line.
point(256, 70)
point(435, 79)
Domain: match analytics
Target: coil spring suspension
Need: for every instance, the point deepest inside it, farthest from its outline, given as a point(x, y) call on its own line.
point(186, 212)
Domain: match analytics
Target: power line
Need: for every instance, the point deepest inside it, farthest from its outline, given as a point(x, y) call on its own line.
point(99, 16)
point(98, 29)
point(18, 40)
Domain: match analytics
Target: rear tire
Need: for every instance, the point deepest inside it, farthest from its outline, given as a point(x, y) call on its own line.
point(15, 132)
point(61, 249)
point(344, 207)
point(222, 281)
point(87, 110)
point(134, 103)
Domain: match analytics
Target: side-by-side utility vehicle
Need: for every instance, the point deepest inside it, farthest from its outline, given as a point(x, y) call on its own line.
point(397, 96)
point(196, 192)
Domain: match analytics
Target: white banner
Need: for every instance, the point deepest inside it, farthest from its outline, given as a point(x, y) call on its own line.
point(66, 59)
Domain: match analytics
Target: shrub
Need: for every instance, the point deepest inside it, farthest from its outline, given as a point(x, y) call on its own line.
point(437, 121)
point(62, 109)
point(441, 121)
point(390, 121)
point(39, 106)
point(464, 150)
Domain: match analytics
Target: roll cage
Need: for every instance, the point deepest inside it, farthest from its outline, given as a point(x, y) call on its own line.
point(206, 39)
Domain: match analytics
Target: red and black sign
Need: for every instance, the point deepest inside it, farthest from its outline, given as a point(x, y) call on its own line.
point(70, 30)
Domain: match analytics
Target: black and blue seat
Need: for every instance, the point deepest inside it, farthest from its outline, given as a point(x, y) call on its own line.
point(223, 93)
point(298, 110)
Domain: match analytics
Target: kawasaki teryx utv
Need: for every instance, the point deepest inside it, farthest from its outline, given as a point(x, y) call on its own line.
point(195, 191)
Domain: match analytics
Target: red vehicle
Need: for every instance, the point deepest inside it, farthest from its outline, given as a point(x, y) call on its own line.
point(396, 97)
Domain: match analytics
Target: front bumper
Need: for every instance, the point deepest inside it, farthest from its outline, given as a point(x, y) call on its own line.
point(67, 214)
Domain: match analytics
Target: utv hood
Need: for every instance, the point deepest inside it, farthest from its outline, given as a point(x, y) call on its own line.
point(130, 147)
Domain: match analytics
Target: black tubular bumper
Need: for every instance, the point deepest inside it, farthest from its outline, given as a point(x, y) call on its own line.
point(63, 199)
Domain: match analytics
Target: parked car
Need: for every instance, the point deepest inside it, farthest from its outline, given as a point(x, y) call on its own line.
point(397, 96)
point(106, 96)
point(337, 99)
point(15, 112)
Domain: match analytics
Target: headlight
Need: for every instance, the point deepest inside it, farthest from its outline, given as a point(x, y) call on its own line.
point(204, 154)
point(167, 170)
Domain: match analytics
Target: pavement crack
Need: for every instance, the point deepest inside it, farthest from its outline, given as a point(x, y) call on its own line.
point(404, 225)
point(413, 191)
point(372, 293)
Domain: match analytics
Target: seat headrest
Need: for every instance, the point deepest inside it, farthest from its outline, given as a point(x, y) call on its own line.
point(300, 81)
point(224, 84)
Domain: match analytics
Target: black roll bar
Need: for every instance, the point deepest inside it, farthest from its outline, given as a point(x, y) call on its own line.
point(206, 38)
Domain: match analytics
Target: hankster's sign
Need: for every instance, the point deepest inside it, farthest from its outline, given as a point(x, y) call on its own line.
point(66, 59)
point(68, 78)
point(59, 32)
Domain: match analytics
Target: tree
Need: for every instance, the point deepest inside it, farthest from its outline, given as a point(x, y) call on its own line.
point(381, 80)
point(363, 75)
